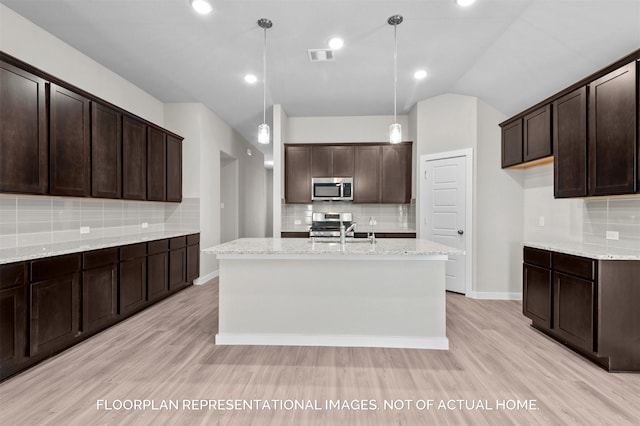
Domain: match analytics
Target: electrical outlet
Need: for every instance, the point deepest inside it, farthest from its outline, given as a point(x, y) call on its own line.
point(85, 229)
point(298, 222)
point(144, 225)
point(541, 221)
point(613, 235)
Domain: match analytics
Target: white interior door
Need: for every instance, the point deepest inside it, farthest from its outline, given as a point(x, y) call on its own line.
point(443, 213)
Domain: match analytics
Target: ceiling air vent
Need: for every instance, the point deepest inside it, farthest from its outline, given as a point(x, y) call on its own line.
point(320, 55)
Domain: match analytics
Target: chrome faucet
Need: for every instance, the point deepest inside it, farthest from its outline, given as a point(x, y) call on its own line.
point(344, 232)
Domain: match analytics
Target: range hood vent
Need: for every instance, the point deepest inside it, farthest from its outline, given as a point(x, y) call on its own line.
point(320, 55)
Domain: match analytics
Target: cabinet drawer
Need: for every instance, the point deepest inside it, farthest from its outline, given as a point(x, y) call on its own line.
point(13, 275)
point(133, 251)
point(177, 242)
point(193, 239)
point(154, 247)
point(574, 265)
point(538, 257)
point(97, 258)
point(54, 267)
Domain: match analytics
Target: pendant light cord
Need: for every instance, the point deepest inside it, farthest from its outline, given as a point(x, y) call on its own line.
point(395, 71)
point(264, 78)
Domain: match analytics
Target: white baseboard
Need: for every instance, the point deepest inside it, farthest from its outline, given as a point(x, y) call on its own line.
point(203, 279)
point(495, 295)
point(441, 343)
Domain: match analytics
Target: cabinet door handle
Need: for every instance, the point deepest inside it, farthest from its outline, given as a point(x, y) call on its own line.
point(460, 232)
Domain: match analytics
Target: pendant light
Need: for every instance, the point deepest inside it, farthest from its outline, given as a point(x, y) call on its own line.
point(395, 130)
point(263, 129)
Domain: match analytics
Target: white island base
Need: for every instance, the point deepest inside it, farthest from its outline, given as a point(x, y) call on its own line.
point(333, 300)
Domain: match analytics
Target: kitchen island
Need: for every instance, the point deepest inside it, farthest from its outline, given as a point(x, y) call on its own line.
point(281, 291)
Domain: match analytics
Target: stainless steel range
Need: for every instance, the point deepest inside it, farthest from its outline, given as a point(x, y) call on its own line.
point(328, 224)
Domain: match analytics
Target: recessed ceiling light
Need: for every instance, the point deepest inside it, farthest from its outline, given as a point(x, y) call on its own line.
point(250, 78)
point(202, 6)
point(336, 43)
point(420, 74)
point(465, 3)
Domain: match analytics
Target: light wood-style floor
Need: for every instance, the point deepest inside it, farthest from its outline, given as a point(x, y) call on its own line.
point(167, 353)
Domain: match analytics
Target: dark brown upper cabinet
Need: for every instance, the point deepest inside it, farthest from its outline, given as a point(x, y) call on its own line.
point(134, 159)
point(595, 133)
point(396, 173)
point(58, 139)
point(332, 160)
point(321, 161)
point(381, 172)
point(156, 165)
point(69, 143)
point(613, 144)
point(106, 152)
point(537, 134)
point(570, 144)
point(512, 143)
point(24, 143)
point(367, 174)
point(174, 169)
point(297, 183)
point(342, 161)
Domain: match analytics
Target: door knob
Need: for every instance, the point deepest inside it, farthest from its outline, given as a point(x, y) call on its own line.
point(460, 232)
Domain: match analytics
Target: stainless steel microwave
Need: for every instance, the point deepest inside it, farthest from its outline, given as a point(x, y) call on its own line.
point(332, 189)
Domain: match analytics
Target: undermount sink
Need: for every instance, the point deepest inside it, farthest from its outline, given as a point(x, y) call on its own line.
point(336, 240)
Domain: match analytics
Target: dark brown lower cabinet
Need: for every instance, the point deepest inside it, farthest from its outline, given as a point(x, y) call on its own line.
point(13, 318)
point(193, 262)
point(54, 303)
point(573, 308)
point(99, 289)
point(157, 269)
point(177, 263)
point(588, 305)
point(133, 278)
point(537, 286)
point(50, 304)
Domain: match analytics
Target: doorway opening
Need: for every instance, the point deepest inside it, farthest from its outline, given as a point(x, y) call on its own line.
point(228, 198)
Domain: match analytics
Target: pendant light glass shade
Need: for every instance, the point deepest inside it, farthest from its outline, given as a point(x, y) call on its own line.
point(395, 130)
point(395, 133)
point(264, 133)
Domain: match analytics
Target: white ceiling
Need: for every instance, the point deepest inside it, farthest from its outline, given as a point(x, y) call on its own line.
point(510, 53)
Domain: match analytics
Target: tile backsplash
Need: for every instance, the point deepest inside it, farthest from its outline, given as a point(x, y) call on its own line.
point(621, 215)
point(389, 217)
point(33, 220)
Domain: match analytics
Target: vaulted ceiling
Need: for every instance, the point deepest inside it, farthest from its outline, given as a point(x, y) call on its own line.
point(509, 53)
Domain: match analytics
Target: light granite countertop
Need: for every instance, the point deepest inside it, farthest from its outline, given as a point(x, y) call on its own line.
point(389, 247)
point(19, 254)
point(591, 251)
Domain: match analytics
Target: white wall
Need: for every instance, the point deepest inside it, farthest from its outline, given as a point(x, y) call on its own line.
point(28, 42)
point(280, 135)
point(206, 136)
point(443, 123)
point(562, 217)
point(374, 128)
point(498, 207)
point(451, 122)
